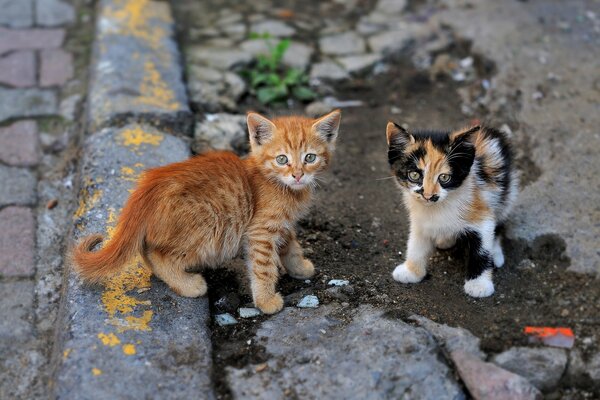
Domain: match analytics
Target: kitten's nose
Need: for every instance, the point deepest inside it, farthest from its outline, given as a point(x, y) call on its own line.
point(298, 175)
point(431, 197)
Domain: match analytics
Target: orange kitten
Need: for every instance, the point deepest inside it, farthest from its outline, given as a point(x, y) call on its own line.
point(200, 212)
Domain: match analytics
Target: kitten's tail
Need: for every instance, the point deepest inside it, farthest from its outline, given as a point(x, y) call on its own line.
point(97, 266)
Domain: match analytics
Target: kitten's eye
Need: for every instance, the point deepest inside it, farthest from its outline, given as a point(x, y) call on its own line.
point(444, 178)
point(281, 159)
point(310, 158)
point(414, 176)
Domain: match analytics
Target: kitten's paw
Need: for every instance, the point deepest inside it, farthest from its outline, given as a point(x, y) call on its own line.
point(497, 254)
point(481, 286)
point(445, 243)
point(270, 305)
point(193, 286)
point(305, 271)
point(407, 273)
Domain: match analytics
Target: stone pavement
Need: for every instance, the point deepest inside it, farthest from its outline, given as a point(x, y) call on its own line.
point(34, 70)
point(133, 338)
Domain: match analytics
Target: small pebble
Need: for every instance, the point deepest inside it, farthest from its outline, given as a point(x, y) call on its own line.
point(261, 367)
point(248, 312)
point(310, 301)
point(225, 319)
point(338, 282)
point(51, 204)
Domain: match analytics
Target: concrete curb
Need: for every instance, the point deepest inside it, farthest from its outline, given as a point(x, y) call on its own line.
point(132, 338)
point(136, 69)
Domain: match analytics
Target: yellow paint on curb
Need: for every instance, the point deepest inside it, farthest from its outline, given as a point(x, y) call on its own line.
point(135, 137)
point(154, 91)
point(110, 339)
point(133, 19)
point(129, 349)
point(96, 371)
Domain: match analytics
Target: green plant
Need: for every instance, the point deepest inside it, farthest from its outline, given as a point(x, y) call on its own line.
point(270, 80)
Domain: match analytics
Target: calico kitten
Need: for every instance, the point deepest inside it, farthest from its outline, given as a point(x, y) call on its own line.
point(458, 184)
point(200, 212)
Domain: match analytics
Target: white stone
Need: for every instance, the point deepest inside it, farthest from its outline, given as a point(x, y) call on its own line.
point(310, 301)
point(358, 63)
point(344, 43)
point(328, 70)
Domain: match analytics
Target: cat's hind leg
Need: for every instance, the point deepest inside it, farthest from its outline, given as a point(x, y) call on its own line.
point(480, 265)
point(293, 260)
point(172, 271)
point(497, 254)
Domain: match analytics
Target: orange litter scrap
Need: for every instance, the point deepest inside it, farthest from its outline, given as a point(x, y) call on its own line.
point(556, 337)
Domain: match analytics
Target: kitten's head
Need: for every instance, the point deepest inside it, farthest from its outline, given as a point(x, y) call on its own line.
point(293, 150)
point(429, 165)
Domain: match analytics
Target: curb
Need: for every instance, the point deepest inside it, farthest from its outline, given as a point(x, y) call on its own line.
point(136, 72)
point(132, 337)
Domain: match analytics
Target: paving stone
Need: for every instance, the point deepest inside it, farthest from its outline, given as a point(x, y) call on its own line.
point(328, 70)
point(16, 303)
point(452, 339)
point(221, 58)
point(390, 6)
point(19, 144)
point(18, 69)
point(18, 103)
point(29, 39)
point(487, 381)
point(135, 70)
point(18, 186)
point(53, 12)
point(56, 67)
point(583, 370)
point(117, 340)
point(314, 354)
point(273, 28)
point(19, 363)
point(220, 131)
point(17, 242)
point(16, 13)
point(395, 41)
point(543, 366)
point(358, 63)
point(343, 43)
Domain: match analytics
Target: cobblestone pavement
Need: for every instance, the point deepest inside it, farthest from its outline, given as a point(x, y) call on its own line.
point(166, 79)
point(40, 93)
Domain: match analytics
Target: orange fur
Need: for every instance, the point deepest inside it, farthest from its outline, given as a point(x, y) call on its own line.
point(201, 211)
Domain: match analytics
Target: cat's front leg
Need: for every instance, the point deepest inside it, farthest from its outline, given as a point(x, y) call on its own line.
point(292, 257)
point(413, 270)
point(262, 264)
point(481, 243)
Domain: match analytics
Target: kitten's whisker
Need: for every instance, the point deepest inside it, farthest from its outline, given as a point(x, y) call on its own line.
point(387, 177)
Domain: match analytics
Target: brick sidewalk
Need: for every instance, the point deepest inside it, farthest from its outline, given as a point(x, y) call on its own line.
point(33, 69)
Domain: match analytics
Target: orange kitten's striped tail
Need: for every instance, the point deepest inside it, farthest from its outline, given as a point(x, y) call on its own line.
point(127, 242)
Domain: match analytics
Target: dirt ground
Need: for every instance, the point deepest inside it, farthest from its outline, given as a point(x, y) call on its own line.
point(357, 230)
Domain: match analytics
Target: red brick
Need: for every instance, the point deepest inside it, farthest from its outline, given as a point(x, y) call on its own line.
point(18, 69)
point(30, 39)
point(17, 241)
point(19, 145)
point(56, 67)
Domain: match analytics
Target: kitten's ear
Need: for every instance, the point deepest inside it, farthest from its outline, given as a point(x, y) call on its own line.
point(465, 134)
point(260, 129)
point(398, 135)
point(328, 126)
